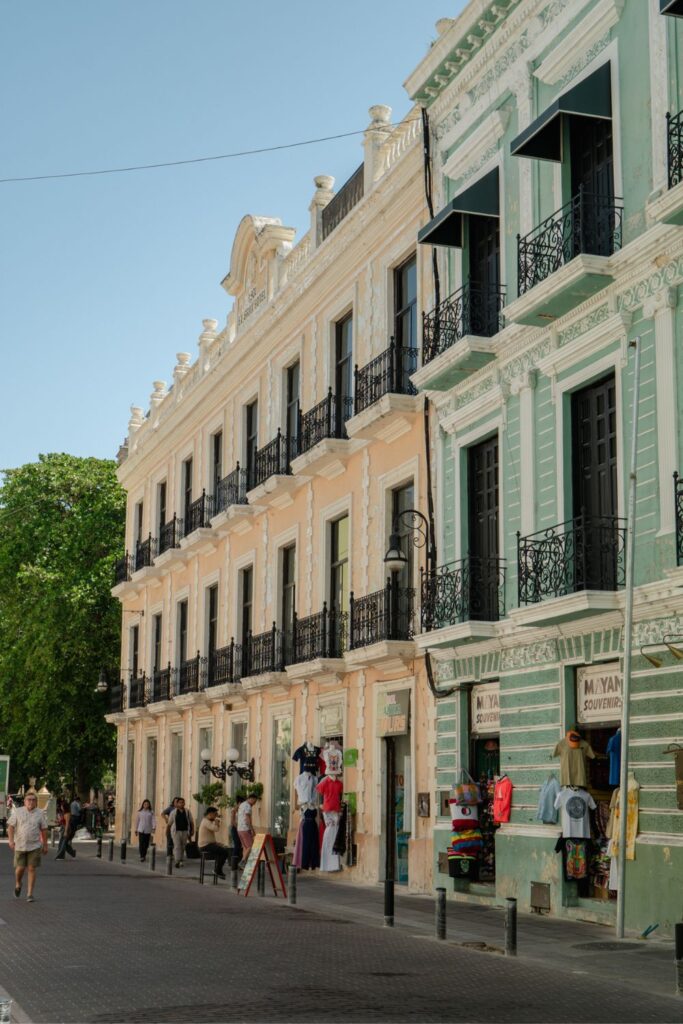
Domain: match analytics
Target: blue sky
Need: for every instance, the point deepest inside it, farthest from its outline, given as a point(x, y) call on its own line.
point(104, 279)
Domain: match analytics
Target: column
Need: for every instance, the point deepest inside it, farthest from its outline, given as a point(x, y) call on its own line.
point(522, 88)
point(525, 387)
point(659, 96)
point(662, 309)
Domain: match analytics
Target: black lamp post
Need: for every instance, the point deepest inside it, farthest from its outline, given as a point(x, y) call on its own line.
point(230, 766)
point(410, 519)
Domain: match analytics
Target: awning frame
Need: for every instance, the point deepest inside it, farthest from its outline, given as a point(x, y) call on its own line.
point(481, 199)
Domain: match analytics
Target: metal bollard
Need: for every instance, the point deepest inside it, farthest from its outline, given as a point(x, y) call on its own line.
point(169, 864)
point(510, 926)
point(153, 859)
point(291, 885)
point(202, 865)
point(99, 847)
point(111, 849)
point(52, 836)
point(440, 913)
point(261, 879)
point(124, 848)
point(389, 902)
point(234, 873)
point(678, 954)
point(215, 876)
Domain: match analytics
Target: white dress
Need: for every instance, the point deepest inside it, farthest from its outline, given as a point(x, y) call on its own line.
point(329, 860)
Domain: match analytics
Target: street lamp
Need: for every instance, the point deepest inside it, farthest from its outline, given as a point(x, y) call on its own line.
point(410, 519)
point(669, 640)
point(230, 766)
point(102, 684)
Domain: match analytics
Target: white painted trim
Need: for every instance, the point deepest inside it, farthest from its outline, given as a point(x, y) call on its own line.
point(327, 515)
point(472, 147)
point(571, 45)
point(658, 52)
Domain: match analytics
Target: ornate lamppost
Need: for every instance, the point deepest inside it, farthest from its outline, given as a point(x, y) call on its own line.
point(230, 766)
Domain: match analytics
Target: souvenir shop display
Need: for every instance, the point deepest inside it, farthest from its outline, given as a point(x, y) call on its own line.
point(331, 788)
point(308, 756)
point(488, 828)
point(631, 819)
point(575, 854)
point(502, 799)
point(307, 846)
point(465, 848)
point(614, 754)
point(573, 752)
point(574, 804)
point(546, 810)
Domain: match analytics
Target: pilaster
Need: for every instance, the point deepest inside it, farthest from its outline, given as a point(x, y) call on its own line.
point(662, 309)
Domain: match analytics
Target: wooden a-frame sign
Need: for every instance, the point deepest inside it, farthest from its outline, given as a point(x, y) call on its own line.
point(262, 850)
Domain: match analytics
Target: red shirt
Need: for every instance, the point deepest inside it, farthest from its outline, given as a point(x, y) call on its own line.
point(502, 800)
point(332, 790)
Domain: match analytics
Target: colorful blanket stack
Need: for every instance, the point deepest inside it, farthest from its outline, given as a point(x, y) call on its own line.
point(466, 839)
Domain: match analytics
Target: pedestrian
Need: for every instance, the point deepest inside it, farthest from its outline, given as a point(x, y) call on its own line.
point(27, 831)
point(209, 826)
point(72, 818)
point(245, 829)
point(234, 837)
point(144, 828)
point(166, 814)
point(181, 824)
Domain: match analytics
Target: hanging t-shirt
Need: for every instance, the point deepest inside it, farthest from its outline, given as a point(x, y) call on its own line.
point(546, 811)
point(502, 800)
point(614, 751)
point(631, 820)
point(573, 805)
point(304, 785)
point(574, 858)
point(308, 758)
point(332, 791)
point(573, 762)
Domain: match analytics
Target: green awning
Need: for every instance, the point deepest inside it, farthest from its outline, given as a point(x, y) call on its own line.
point(479, 200)
point(590, 98)
point(674, 7)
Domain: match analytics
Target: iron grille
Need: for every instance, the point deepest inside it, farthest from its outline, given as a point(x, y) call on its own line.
point(198, 515)
point(122, 569)
point(264, 653)
point(472, 309)
point(188, 676)
point(678, 497)
point(326, 419)
point(161, 684)
point(588, 223)
point(388, 373)
point(468, 589)
point(343, 202)
point(271, 460)
point(321, 635)
point(225, 665)
point(674, 135)
point(145, 552)
point(170, 534)
point(584, 553)
point(138, 692)
point(232, 490)
point(385, 615)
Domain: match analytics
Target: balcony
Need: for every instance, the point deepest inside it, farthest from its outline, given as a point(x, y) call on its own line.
point(232, 512)
point(138, 692)
point(570, 570)
point(314, 649)
point(264, 660)
point(676, 574)
point(322, 445)
point(343, 202)
point(462, 600)
point(224, 666)
point(122, 571)
point(189, 677)
point(385, 402)
point(161, 685)
point(381, 628)
point(456, 336)
point(270, 479)
point(668, 207)
point(169, 552)
point(566, 259)
point(117, 697)
point(197, 533)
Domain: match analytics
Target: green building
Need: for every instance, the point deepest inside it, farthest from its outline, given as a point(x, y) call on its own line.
point(557, 177)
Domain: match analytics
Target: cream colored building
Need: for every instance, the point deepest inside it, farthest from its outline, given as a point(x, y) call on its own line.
point(262, 485)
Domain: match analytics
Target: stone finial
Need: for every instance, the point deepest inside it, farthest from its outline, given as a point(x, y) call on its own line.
point(324, 185)
point(443, 25)
point(159, 393)
point(137, 418)
point(373, 140)
point(380, 114)
point(209, 334)
point(182, 367)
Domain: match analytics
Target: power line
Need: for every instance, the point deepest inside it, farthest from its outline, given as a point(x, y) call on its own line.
point(202, 159)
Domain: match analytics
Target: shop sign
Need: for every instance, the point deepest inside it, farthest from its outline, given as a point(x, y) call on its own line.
point(393, 712)
point(598, 693)
point(486, 709)
point(331, 720)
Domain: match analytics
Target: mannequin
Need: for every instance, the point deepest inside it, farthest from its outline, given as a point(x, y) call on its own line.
point(332, 789)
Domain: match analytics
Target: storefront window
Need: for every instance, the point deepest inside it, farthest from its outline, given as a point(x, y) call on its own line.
point(485, 767)
point(280, 788)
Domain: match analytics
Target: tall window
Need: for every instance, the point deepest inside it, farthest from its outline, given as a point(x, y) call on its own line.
point(292, 410)
point(211, 619)
point(343, 358)
point(247, 595)
point(156, 643)
point(176, 779)
point(187, 488)
point(139, 512)
point(216, 460)
point(288, 599)
point(134, 650)
point(405, 301)
point(281, 762)
point(161, 506)
point(403, 498)
point(151, 770)
point(238, 740)
point(251, 436)
point(339, 564)
point(182, 632)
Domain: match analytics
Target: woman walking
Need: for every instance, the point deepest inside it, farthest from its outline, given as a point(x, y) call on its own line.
point(145, 826)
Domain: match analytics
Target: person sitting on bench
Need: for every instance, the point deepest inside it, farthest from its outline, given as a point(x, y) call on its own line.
point(208, 828)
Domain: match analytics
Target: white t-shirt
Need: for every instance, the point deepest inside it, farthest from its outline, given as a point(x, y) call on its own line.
point(573, 805)
point(27, 827)
point(244, 816)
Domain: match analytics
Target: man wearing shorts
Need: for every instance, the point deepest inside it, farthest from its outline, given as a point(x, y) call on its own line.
point(27, 831)
point(245, 829)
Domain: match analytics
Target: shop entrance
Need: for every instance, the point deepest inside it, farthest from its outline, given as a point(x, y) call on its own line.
point(485, 770)
point(397, 798)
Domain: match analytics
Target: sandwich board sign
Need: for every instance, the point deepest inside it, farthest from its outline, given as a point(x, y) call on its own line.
point(262, 850)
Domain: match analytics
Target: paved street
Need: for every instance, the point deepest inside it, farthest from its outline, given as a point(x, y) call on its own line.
point(91, 949)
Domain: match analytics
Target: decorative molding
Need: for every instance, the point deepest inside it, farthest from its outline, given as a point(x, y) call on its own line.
point(606, 330)
point(665, 298)
point(475, 149)
point(581, 40)
point(309, 550)
point(487, 82)
point(587, 58)
point(530, 654)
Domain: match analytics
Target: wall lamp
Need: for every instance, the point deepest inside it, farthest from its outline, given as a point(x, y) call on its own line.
point(230, 766)
point(669, 640)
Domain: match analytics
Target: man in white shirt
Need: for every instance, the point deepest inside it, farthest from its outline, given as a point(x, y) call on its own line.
point(27, 831)
point(245, 829)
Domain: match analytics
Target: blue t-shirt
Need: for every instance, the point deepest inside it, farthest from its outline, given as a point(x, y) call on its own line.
point(614, 751)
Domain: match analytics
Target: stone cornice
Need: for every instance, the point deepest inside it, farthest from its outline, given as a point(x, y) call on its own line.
point(603, 16)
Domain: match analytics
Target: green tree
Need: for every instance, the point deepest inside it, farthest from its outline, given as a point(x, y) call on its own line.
point(62, 522)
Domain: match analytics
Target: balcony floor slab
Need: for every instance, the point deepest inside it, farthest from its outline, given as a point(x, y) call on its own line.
point(668, 207)
point(275, 682)
point(555, 610)
point(275, 492)
point(235, 519)
point(200, 541)
point(328, 458)
point(160, 707)
point(171, 559)
point(320, 670)
point(675, 575)
point(385, 420)
point(464, 357)
point(451, 636)
point(224, 691)
point(561, 291)
point(387, 655)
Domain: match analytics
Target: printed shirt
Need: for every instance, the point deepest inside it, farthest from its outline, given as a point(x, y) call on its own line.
point(244, 816)
point(573, 805)
point(27, 825)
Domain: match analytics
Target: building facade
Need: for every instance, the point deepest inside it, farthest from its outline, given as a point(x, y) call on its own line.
point(262, 490)
point(557, 156)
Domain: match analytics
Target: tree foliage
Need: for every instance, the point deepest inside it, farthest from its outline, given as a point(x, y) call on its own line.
point(62, 522)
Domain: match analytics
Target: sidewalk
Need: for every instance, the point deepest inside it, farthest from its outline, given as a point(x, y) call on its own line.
point(575, 947)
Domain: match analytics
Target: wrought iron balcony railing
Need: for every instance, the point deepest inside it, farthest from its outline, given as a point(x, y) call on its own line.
point(322, 635)
point(198, 514)
point(470, 589)
point(678, 498)
point(584, 553)
point(265, 653)
point(225, 665)
point(346, 198)
point(189, 676)
point(117, 697)
point(170, 534)
point(161, 684)
point(674, 136)
point(388, 373)
point(271, 460)
point(138, 691)
point(588, 223)
point(145, 553)
point(122, 569)
point(385, 615)
point(232, 490)
point(472, 309)
point(326, 419)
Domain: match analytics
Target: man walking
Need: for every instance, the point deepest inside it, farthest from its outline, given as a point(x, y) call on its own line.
point(72, 820)
point(181, 824)
point(27, 831)
point(245, 829)
point(166, 814)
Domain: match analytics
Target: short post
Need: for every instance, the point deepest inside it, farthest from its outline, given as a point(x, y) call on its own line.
point(169, 864)
point(52, 836)
point(440, 913)
point(510, 926)
point(202, 865)
point(389, 902)
point(678, 954)
point(124, 847)
point(111, 849)
point(99, 847)
point(261, 879)
point(234, 872)
point(153, 859)
point(215, 876)
point(291, 885)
